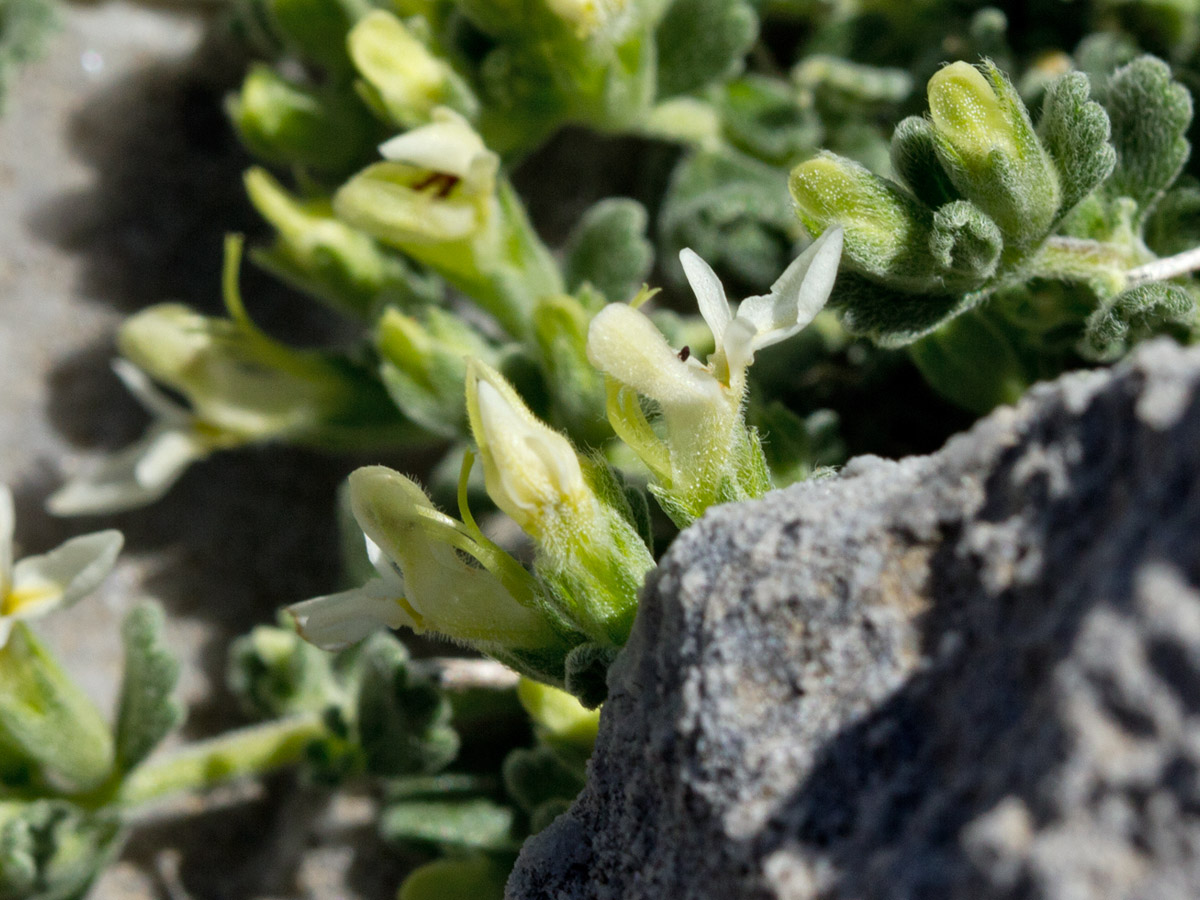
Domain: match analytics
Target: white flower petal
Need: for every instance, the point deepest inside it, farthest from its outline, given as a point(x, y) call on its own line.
point(154, 400)
point(797, 295)
point(529, 468)
point(448, 144)
point(65, 574)
point(388, 571)
point(7, 526)
point(136, 476)
point(336, 621)
point(741, 340)
point(709, 291)
point(6, 627)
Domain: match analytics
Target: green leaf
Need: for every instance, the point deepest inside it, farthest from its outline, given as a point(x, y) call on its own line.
point(147, 710)
point(46, 721)
point(1076, 130)
point(734, 212)
point(52, 850)
point(701, 41)
point(473, 878)
point(587, 672)
point(403, 718)
point(535, 776)
point(762, 117)
point(1150, 115)
point(971, 363)
point(473, 823)
point(891, 318)
point(560, 326)
point(1174, 224)
point(609, 249)
point(965, 244)
point(274, 673)
point(1134, 315)
point(316, 29)
point(914, 158)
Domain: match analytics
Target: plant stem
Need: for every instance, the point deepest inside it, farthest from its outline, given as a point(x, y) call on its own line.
point(1163, 269)
point(453, 674)
point(1098, 263)
point(248, 751)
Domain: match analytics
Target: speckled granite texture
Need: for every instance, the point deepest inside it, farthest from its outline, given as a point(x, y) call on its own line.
point(974, 675)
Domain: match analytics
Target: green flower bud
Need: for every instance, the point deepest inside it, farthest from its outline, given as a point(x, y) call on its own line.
point(318, 253)
point(886, 231)
point(424, 365)
point(589, 552)
point(401, 76)
point(286, 124)
point(987, 144)
point(241, 386)
point(561, 721)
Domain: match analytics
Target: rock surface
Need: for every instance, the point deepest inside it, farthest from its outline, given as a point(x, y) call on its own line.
point(974, 674)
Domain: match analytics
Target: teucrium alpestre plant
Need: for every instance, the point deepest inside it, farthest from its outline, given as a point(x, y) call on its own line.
point(990, 203)
point(1013, 232)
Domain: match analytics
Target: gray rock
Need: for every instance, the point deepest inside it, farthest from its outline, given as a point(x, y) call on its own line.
point(969, 675)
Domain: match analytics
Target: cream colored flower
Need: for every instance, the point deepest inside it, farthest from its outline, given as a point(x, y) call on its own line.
point(38, 584)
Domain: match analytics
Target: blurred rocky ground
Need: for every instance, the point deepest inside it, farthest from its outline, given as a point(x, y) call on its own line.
point(118, 179)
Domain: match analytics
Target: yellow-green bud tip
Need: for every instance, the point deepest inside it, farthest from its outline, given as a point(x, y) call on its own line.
point(966, 112)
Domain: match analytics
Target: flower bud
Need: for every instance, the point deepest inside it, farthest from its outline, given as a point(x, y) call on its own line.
point(320, 254)
point(401, 75)
point(230, 379)
point(289, 125)
point(441, 592)
point(424, 365)
point(885, 230)
point(532, 472)
point(589, 552)
point(560, 719)
point(587, 17)
point(987, 144)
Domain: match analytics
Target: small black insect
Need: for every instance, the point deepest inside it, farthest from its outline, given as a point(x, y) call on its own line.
point(685, 353)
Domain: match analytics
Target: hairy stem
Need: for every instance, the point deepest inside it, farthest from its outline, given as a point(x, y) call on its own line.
point(1164, 269)
point(255, 750)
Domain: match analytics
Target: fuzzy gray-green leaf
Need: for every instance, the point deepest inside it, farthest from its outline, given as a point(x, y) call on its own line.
point(1150, 114)
point(609, 249)
point(1120, 322)
point(147, 710)
point(965, 244)
point(914, 157)
point(1075, 130)
point(702, 40)
point(403, 719)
